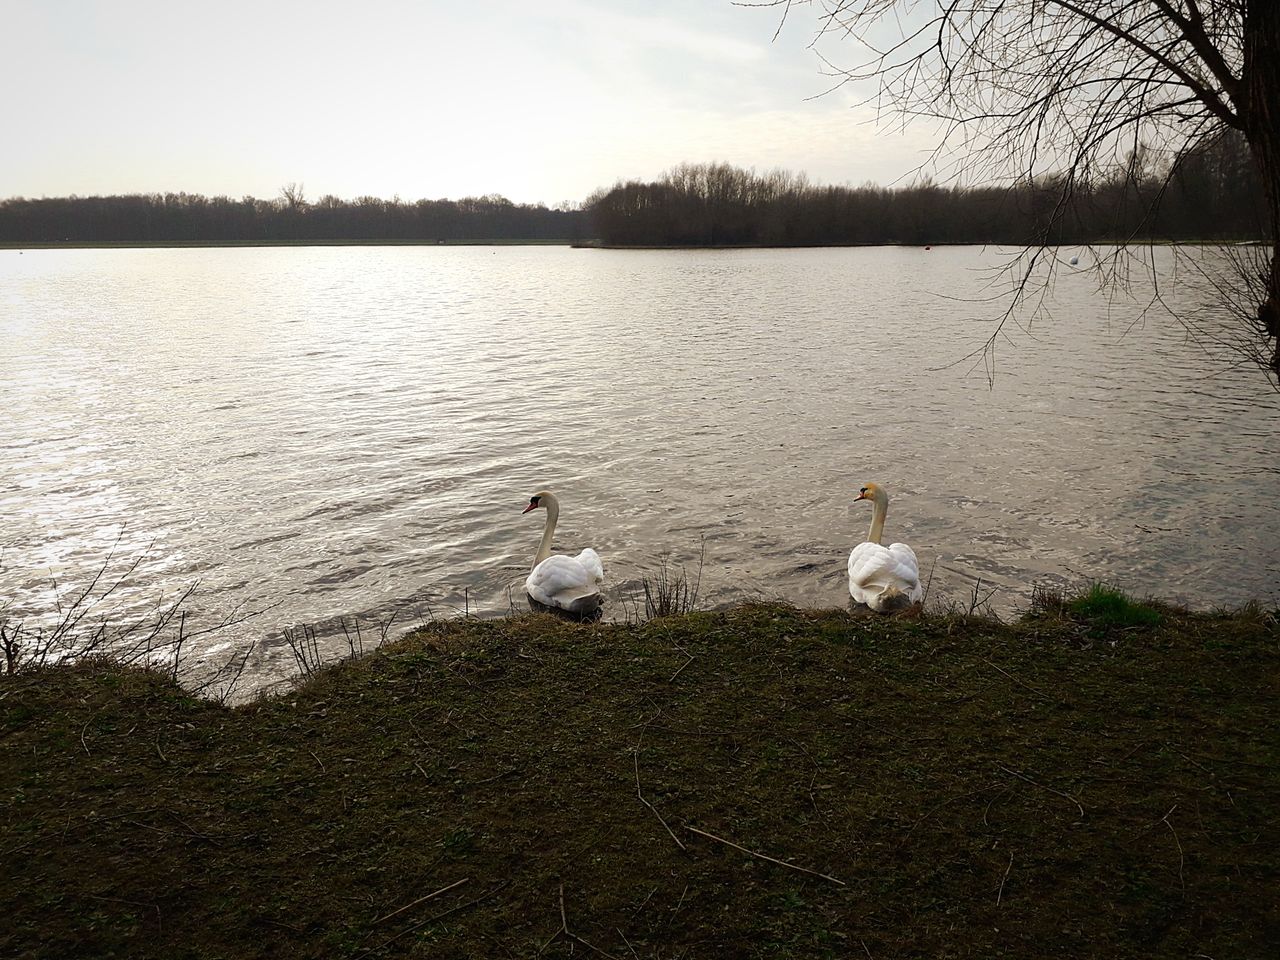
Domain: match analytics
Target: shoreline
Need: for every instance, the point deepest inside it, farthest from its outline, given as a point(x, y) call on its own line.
point(574, 244)
point(147, 244)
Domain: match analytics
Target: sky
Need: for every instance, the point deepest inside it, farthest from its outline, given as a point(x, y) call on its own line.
point(542, 101)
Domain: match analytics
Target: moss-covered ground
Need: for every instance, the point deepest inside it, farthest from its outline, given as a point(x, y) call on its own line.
point(940, 787)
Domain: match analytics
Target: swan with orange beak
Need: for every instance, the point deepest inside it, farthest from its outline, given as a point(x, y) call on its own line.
point(570, 584)
point(883, 578)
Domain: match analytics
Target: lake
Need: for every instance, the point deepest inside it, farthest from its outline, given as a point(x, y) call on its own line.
point(353, 431)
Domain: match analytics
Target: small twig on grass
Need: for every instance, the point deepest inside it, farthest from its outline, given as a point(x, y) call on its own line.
point(1140, 745)
point(1025, 686)
point(635, 756)
point(1000, 893)
point(1043, 787)
point(1189, 760)
point(683, 893)
point(430, 920)
point(429, 896)
point(987, 808)
point(564, 931)
point(283, 925)
point(813, 799)
point(644, 901)
point(924, 601)
point(938, 806)
point(1182, 859)
point(161, 752)
point(683, 665)
point(627, 942)
point(41, 838)
point(192, 834)
point(317, 760)
point(781, 863)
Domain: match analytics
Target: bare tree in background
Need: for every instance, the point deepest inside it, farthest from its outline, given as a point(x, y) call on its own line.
point(1064, 91)
point(292, 196)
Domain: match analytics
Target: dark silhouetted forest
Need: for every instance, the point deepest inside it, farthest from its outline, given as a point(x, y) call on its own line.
point(161, 217)
point(1212, 194)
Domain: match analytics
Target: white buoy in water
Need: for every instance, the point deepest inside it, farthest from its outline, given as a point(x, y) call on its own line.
point(1074, 261)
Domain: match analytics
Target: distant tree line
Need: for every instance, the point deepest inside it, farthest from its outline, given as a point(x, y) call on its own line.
point(159, 217)
point(1213, 194)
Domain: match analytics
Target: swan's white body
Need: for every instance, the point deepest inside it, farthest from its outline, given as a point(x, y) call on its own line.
point(884, 578)
point(880, 575)
point(566, 583)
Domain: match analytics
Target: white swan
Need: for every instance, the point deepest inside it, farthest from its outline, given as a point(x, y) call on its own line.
point(571, 584)
point(884, 578)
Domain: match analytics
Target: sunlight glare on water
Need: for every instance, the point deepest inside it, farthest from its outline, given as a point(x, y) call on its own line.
point(354, 431)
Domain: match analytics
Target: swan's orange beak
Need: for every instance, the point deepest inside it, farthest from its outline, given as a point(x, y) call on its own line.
point(532, 506)
point(861, 496)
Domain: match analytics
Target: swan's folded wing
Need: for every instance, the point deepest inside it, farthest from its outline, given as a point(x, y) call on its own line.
point(908, 570)
point(874, 568)
point(559, 575)
point(871, 567)
point(590, 561)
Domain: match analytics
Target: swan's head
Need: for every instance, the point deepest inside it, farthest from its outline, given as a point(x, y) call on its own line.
point(872, 491)
point(537, 500)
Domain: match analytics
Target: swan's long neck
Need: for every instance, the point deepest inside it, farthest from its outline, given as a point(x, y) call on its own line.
point(553, 514)
point(879, 507)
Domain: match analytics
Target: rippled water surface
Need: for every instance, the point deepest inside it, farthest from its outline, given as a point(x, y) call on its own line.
point(354, 431)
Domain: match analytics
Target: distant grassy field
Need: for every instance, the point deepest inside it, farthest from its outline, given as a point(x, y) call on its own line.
point(1091, 781)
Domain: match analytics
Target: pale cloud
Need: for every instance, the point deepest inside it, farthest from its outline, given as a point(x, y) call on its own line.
point(657, 30)
point(831, 144)
point(540, 102)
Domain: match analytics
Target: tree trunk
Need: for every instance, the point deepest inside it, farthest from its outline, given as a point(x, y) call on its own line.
point(1261, 116)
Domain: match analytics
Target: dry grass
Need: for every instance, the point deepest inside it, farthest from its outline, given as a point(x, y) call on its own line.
point(758, 782)
point(85, 626)
point(668, 592)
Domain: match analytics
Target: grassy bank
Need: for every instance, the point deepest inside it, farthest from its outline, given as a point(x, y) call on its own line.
point(1070, 785)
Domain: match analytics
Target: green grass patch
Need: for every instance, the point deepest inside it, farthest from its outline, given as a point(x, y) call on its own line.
point(1109, 607)
point(1106, 609)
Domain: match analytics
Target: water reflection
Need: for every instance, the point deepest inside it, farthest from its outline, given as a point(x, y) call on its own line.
point(351, 431)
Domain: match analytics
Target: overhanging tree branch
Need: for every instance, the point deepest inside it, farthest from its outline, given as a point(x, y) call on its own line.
point(1066, 89)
